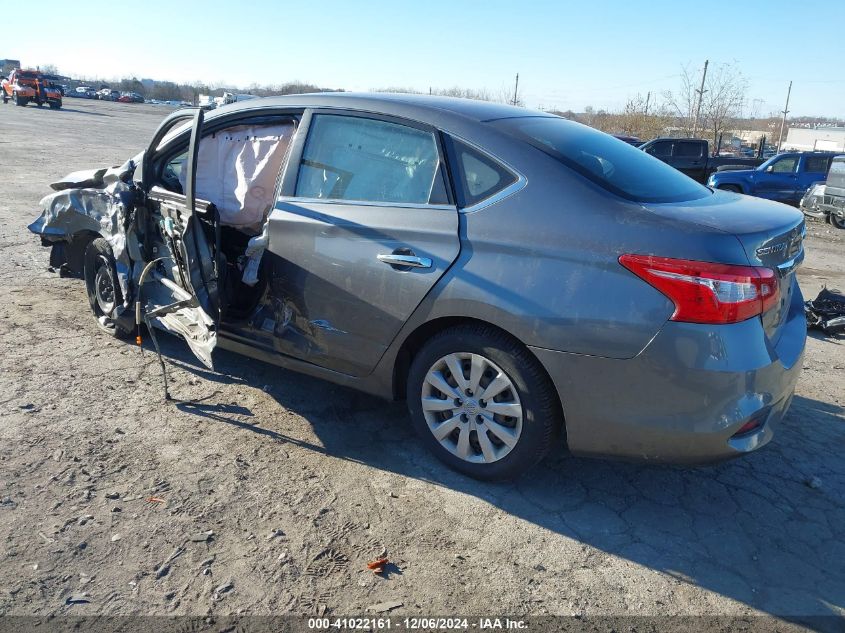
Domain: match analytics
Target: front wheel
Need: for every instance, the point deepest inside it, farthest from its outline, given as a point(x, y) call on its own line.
point(101, 282)
point(482, 403)
point(19, 100)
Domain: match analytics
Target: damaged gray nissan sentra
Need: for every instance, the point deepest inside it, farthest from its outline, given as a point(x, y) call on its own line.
point(513, 275)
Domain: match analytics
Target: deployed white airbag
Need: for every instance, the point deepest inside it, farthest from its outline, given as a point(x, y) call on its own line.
point(237, 170)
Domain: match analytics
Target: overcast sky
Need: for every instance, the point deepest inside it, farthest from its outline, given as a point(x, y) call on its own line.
point(569, 55)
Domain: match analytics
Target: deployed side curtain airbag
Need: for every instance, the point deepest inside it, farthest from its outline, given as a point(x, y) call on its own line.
point(237, 170)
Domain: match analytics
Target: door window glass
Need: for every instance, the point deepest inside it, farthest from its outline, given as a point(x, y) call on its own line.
point(353, 158)
point(817, 164)
point(688, 150)
point(660, 149)
point(786, 165)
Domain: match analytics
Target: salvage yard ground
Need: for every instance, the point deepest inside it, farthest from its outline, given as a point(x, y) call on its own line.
point(272, 490)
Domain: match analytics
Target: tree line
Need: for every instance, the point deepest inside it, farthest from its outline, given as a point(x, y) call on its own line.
point(705, 109)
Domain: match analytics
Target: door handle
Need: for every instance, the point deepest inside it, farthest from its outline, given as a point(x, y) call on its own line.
point(408, 261)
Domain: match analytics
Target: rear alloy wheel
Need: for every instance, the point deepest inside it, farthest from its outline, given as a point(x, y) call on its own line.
point(482, 402)
point(103, 288)
point(837, 221)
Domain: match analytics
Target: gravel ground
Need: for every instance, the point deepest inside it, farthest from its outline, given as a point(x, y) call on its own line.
point(271, 494)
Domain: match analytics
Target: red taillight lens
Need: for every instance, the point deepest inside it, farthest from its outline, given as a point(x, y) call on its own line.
point(704, 292)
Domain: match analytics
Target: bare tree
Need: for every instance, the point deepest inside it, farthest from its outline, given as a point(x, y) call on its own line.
point(723, 99)
point(505, 95)
point(684, 101)
point(645, 118)
point(721, 102)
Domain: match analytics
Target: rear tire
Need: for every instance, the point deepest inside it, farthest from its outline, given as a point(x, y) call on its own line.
point(733, 188)
point(836, 221)
point(101, 282)
point(19, 101)
point(496, 438)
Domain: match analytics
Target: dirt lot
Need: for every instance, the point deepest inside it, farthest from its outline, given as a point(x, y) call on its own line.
point(273, 492)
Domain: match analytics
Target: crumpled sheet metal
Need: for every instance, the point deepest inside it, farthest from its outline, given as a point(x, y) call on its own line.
point(76, 206)
point(826, 312)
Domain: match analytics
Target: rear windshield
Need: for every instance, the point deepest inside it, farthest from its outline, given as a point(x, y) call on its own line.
point(836, 175)
point(610, 163)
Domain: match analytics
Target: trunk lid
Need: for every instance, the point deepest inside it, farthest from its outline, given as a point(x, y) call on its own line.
point(771, 234)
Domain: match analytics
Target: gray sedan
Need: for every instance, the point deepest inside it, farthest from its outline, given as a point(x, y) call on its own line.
point(516, 277)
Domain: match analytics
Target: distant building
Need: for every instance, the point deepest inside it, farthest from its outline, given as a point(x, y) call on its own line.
point(8, 65)
point(829, 139)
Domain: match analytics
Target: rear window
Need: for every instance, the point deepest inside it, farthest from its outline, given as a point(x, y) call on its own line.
point(610, 163)
point(836, 175)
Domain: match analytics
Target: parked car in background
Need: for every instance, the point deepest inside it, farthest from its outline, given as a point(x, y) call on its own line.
point(826, 200)
point(130, 97)
point(25, 86)
point(107, 94)
point(692, 156)
point(784, 177)
point(86, 92)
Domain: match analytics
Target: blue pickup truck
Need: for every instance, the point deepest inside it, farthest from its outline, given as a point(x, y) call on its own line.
point(784, 177)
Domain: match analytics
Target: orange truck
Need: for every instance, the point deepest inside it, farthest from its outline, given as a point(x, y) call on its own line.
point(24, 86)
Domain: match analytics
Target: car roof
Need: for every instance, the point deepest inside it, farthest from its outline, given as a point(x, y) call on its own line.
point(425, 108)
point(816, 152)
point(677, 138)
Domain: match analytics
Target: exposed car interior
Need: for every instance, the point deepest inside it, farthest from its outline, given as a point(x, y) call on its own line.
point(237, 170)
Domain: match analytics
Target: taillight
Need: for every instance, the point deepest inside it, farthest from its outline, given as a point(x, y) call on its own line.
point(704, 292)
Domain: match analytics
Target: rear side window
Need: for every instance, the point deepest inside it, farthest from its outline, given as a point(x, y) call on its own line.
point(610, 163)
point(817, 164)
point(368, 160)
point(479, 176)
point(685, 149)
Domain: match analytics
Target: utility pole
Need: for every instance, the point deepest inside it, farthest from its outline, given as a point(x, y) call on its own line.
point(700, 92)
point(785, 112)
point(647, 99)
point(516, 88)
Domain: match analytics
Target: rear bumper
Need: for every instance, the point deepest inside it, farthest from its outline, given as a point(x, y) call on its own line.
point(685, 396)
